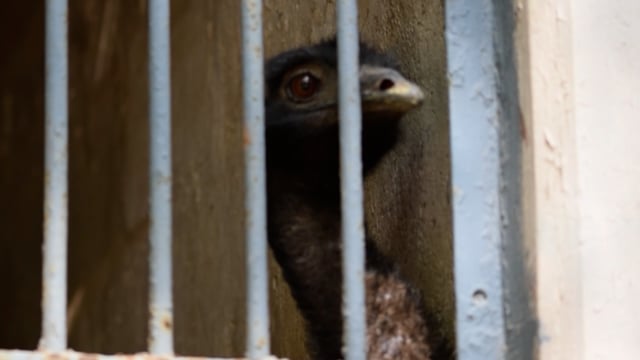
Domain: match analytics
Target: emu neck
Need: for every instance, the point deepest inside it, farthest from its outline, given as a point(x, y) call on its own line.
point(304, 233)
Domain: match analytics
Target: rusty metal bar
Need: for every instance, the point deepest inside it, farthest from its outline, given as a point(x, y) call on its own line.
point(258, 341)
point(54, 286)
point(160, 231)
point(72, 355)
point(353, 254)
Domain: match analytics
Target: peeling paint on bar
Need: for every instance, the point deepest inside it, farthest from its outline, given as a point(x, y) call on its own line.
point(54, 286)
point(160, 229)
point(475, 163)
point(485, 162)
point(258, 340)
point(353, 254)
point(72, 355)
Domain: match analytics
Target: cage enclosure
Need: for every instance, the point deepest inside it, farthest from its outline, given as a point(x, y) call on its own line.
point(407, 199)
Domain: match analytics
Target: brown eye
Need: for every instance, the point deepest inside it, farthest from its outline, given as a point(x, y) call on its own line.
point(302, 87)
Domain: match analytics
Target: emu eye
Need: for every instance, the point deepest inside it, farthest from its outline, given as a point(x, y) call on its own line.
point(302, 87)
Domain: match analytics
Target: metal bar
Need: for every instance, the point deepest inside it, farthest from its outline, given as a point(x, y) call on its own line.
point(54, 287)
point(160, 231)
point(353, 259)
point(485, 156)
point(258, 341)
point(521, 325)
point(72, 355)
point(473, 107)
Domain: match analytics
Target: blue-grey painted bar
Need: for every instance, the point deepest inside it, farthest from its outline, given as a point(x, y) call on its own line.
point(160, 230)
point(258, 341)
point(353, 260)
point(478, 114)
point(54, 289)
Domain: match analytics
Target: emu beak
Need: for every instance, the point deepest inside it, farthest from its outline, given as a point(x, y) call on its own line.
point(385, 90)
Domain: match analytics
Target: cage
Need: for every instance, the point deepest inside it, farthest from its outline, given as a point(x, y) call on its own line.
point(408, 200)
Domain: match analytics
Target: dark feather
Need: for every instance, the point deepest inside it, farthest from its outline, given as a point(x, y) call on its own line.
point(304, 212)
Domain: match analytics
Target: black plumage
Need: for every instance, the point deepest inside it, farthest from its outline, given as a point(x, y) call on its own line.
point(304, 196)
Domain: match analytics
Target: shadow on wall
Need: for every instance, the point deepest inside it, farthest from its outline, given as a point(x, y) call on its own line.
point(407, 205)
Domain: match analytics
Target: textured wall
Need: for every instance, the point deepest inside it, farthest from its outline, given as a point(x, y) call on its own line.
point(581, 85)
point(608, 174)
point(407, 198)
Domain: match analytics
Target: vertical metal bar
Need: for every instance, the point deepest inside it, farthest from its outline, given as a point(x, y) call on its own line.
point(54, 289)
point(258, 341)
point(485, 159)
point(521, 325)
point(475, 176)
point(160, 231)
point(353, 260)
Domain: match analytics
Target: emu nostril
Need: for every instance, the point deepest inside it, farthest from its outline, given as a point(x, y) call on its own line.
point(386, 84)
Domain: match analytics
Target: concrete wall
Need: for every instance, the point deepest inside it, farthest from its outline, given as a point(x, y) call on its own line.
point(606, 50)
point(407, 199)
point(580, 80)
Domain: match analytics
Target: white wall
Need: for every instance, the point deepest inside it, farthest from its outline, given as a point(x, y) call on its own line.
point(579, 66)
point(606, 52)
